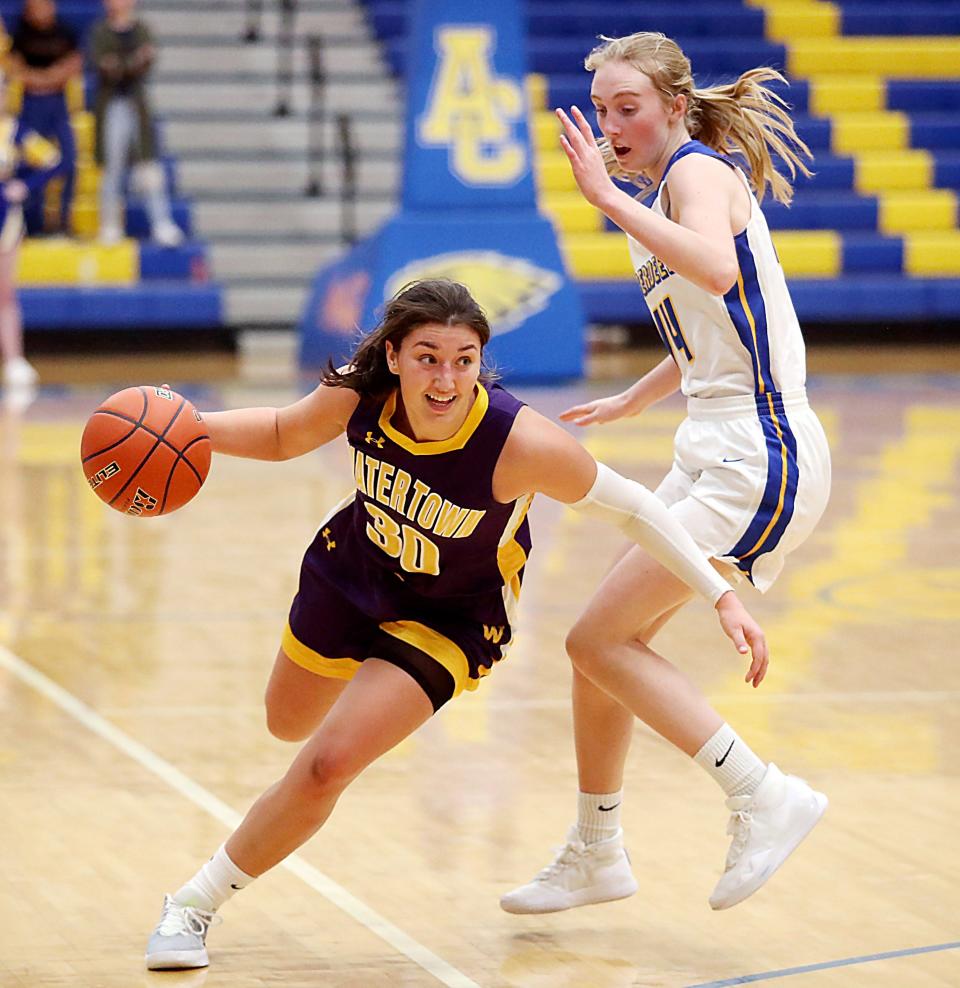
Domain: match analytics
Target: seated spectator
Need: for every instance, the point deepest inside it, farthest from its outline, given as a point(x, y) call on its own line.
point(27, 163)
point(123, 53)
point(43, 56)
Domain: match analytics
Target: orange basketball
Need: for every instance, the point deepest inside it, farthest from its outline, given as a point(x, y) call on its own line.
point(145, 451)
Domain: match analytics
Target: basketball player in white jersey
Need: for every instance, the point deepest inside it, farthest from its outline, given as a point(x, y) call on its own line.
point(751, 471)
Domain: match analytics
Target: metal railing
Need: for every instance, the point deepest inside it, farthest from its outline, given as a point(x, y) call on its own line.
point(316, 117)
point(286, 39)
point(348, 182)
point(286, 42)
point(317, 149)
point(254, 13)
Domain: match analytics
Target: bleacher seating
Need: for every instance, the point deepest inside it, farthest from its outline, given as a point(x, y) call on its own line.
point(873, 235)
point(81, 284)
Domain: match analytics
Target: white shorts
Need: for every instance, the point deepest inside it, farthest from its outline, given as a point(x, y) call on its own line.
point(750, 479)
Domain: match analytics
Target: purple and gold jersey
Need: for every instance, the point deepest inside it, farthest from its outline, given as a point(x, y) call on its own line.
point(423, 529)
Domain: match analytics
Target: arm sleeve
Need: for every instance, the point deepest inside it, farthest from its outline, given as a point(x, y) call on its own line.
point(644, 518)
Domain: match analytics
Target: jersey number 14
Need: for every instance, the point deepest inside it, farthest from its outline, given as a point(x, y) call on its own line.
point(670, 330)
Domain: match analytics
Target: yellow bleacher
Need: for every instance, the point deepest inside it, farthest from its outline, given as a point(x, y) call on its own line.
point(70, 262)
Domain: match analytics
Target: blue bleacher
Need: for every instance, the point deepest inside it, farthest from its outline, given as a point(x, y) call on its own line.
point(886, 18)
point(149, 305)
point(706, 20)
point(867, 298)
point(714, 60)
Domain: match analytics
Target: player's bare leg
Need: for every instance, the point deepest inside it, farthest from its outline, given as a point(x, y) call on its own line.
point(593, 865)
point(770, 813)
point(379, 707)
point(297, 699)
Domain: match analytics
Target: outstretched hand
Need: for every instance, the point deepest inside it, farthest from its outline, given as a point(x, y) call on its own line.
point(596, 412)
point(586, 161)
point(746, 634)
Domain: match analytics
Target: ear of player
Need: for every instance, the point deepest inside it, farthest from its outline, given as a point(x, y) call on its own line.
point(145, 451)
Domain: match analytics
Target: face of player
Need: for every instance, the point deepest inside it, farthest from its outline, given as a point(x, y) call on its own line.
point(438, 367)
point(643, 130)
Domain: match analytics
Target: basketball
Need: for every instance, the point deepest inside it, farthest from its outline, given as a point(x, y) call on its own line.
point(145, 451)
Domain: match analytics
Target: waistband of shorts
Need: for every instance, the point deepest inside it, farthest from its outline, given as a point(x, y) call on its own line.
point(738, 406)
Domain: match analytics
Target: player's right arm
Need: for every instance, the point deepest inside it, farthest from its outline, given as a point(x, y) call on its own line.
point(655, 385)
point(282, 433)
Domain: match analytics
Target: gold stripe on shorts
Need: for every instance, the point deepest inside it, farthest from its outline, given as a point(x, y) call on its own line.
point(438, 647)
point(306, 658)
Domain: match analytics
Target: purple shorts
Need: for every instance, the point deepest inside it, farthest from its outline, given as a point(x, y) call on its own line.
point(328, 634)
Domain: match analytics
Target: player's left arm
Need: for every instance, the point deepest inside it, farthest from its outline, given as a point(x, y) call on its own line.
point(540, 457)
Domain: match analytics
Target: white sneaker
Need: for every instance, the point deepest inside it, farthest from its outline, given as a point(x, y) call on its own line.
point(766, 828)
point(580, 874)
point(179, 941)
point(19, 373)
point(167, 234)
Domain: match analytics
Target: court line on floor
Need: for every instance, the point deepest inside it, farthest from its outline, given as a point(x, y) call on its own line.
point(786, 972)
point(336, 894)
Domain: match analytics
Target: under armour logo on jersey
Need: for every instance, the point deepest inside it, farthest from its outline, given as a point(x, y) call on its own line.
point(326, 537)
point(378, 442)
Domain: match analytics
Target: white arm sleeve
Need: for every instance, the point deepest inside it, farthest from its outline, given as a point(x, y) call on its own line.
point(644, 518)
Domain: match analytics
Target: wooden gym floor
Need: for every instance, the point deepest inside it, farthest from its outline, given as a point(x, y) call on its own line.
point(133, 657)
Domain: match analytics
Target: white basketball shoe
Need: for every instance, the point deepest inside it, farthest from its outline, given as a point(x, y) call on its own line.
point(580, 874)
point(766, 828)
point(179, 941)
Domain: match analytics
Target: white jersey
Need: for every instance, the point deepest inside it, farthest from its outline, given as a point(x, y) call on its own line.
point(746, 342)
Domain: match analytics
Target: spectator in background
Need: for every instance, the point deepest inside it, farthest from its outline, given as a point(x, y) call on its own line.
point(44, 56)
point(27, 163)
point(123, 53)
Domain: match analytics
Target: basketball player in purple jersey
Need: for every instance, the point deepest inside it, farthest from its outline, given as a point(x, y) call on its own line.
point(407, 594)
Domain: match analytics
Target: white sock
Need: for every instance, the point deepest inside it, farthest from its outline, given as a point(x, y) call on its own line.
point(730, 763)
point(214, 883)
point(598, 815)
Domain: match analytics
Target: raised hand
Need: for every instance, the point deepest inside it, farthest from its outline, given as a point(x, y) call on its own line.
point(586, 161)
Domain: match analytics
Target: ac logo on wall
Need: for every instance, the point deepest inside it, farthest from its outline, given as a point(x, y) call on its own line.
point(472, 111)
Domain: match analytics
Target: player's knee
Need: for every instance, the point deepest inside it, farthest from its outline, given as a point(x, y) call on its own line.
point(331, 771)
point(582, 648)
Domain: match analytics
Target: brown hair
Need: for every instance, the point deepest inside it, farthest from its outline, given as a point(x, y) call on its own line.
point(447, 303)
point(744, 117)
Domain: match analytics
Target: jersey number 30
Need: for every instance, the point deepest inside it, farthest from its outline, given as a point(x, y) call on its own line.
point(417, 554)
